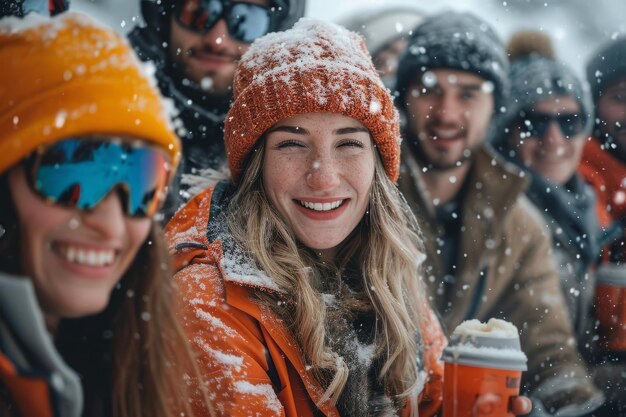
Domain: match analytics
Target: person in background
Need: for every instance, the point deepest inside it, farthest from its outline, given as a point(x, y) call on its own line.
point(385, 31)
point(487, 250)
point(543, 132)
point(87, 305)
point(195, 46)
point(603, 163)
point(301, 274)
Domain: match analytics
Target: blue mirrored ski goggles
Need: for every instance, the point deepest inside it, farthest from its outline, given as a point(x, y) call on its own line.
point(79, 173)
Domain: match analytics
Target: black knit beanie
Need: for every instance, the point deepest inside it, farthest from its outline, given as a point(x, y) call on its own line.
point(607, 64)
point(459, 41)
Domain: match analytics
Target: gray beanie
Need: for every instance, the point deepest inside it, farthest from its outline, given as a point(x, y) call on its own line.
point(607, 64)
point(536, 75)
point(459, 41)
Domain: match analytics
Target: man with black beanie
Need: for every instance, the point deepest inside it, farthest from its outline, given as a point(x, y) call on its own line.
point(487, 252)
point(195, 46)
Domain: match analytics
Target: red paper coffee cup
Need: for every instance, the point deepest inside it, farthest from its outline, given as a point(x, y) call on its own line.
point(611, 306)
point(483, 369)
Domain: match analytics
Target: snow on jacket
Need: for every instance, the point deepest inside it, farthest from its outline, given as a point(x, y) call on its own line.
point(504, 268)
point(34, 379)
point(249, 359)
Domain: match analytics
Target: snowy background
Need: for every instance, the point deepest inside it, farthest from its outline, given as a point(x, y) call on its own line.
point(576, 27)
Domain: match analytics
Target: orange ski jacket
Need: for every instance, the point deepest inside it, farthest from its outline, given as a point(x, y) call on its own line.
point(250, 363)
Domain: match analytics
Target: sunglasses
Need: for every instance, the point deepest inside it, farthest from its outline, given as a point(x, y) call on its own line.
point(535, 125)
point(245, 21)
point(79, 173)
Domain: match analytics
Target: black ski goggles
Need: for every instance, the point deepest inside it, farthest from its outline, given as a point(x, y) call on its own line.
point(79, 173)
point(245, 21)
point(535, 125)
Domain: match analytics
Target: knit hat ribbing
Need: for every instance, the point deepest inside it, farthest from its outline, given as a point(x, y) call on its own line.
point(606, 65)
point(315, 67)
point(457, 41)
point(67, 76)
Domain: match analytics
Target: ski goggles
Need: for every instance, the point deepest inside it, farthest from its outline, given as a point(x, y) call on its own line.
point(79, 173)
point(245, 21)
point(536, 124)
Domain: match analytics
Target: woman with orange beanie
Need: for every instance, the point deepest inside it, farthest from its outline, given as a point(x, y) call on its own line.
point(87, 309)
point(301, 275)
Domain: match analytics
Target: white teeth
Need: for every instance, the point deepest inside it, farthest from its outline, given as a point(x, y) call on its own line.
point(446, 135)
point(321, 206)
point(90, 257)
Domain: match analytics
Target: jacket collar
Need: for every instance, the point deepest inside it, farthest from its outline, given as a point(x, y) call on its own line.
point(493, 184)
point(24, 344)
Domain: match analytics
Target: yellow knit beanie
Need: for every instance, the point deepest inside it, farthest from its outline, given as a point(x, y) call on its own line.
point(314, 67)
point(68, 76)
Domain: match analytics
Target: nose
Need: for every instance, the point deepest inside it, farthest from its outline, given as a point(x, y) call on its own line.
point(217, 36)
point(447, 108)
point(553, 137)
point(323, 173)
point(107, 219)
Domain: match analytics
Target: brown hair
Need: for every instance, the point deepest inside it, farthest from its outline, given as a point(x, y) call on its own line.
point(133, 357)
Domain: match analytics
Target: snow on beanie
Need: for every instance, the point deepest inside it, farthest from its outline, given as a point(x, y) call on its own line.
point(68, 76)
point(536, 75)
point(458, 41)
point(606, 65)
point(314, 67)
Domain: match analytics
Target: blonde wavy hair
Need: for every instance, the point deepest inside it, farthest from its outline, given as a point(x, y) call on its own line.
point(388, 249)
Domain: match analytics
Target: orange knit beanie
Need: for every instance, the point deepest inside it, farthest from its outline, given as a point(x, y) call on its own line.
point(67, 76)
point(314, 67)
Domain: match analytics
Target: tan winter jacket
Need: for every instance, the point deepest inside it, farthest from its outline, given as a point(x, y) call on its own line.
point(504, 267)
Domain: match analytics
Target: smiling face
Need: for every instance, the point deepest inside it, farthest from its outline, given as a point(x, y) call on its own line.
point(74, 258)
point(553, 156)
point(450, 112)
point(317, 172)
point(208, 59)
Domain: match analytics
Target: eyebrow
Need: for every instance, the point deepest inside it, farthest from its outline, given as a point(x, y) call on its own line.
point(471, 87)
point(348, 130)
point(289, 129)
point(302, 131)
point(462, 86)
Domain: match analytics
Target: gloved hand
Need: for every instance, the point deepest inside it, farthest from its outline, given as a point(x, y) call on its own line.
point(612, 378)
point(565, 397)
